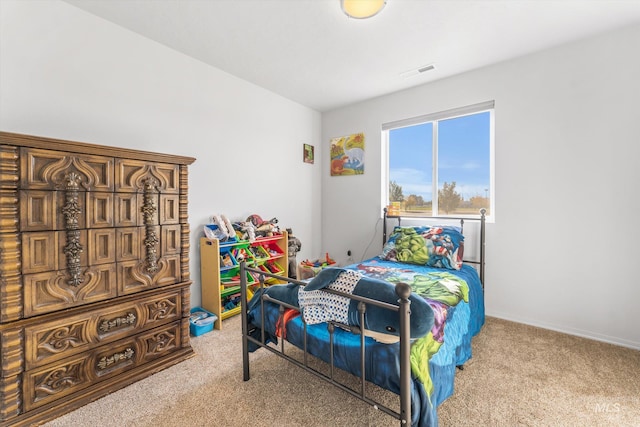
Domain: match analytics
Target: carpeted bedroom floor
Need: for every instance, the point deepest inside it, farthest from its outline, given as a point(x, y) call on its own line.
point(519, 376)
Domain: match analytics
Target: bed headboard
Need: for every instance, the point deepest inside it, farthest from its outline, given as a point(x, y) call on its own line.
point(481, 219)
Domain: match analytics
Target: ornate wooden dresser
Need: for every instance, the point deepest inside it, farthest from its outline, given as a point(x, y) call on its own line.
point(94, 272)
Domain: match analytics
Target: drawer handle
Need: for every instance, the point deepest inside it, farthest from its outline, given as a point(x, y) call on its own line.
point(107, 325)
point(71, 211)
point(108, 361)
point(149, 209)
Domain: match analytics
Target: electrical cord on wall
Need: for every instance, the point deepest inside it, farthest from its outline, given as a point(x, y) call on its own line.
point(375, 230)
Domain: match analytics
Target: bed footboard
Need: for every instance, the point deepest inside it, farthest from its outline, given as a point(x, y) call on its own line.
point(403, 310)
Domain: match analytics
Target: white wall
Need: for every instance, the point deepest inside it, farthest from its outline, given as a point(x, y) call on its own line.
point(67, 74)
point(562, 253)
point(567, 127)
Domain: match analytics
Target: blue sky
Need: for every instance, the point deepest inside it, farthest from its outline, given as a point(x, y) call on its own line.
point(463, 156)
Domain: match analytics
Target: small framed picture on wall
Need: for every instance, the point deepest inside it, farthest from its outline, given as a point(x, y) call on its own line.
point(307, 153)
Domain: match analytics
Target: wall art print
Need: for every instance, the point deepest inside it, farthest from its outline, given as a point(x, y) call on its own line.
point(347, 155)
point(307, 153)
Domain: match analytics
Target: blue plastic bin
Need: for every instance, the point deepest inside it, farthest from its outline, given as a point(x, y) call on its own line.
point(202, 325)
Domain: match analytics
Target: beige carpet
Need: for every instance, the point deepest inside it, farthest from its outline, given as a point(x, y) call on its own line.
point(519, 376)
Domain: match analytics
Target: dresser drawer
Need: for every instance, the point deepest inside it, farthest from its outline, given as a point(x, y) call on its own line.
point(73, 374)
point(49, 170)
point(44, 210)
point(133, 277)
point(50, 291)
point(51, 341)
point(131, 175)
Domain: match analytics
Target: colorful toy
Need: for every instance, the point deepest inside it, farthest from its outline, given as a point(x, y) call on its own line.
point(227, 224)
point(263, 228)
point(241, 254)
point(317, 263)
point(212, 231)
point(224, 225)
point(245, 230)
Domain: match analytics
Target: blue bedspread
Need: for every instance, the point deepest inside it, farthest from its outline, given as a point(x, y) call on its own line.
point(461, 323)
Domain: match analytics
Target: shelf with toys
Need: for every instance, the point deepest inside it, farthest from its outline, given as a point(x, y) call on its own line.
point(309, 269)
point(220, 257)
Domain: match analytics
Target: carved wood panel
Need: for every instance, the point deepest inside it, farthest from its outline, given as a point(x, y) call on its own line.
point(51, 341)
point(62, 248)
point(70, 214)
point(127, 213)
point(12, 362)
point(9, 219)
point(11, 397)
point(169, 209)
point(133, 277)
point(100, 210)
point(184, 221)
point(9, 161)
point(131, 174)
point(102, 246)
point(170, 274)
point(11, 367)
point(37, 210)
point(148, 208)
point(10, 277)
point(128, 245)
point(184, 257)
point(39, 251)
point(170, 240)
point(50, 291)
point(46, 170)
point(73, 374)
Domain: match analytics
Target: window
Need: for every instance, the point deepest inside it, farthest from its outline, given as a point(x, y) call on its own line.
point(441, 164)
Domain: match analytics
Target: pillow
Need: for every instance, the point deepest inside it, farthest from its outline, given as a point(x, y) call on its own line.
point(434, 246)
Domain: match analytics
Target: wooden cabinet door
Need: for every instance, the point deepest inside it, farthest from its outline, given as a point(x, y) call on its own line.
point(51, 291)
point(102, 246)
point(38, 210)
point(100, 210)
point(170, 240)
point(126, 210)
point(49, 170)
point(169, 209)
point(128, 244)
point(131, 176)
point(39, 251)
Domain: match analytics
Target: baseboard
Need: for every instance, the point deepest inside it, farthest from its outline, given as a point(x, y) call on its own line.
point(571, 331)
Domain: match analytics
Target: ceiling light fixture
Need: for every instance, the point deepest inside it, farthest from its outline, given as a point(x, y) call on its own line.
point(362, 9)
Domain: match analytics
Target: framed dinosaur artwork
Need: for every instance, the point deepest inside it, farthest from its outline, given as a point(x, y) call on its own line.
point(347, 155)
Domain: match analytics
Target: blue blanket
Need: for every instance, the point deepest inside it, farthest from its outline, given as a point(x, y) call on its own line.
point(452, 335)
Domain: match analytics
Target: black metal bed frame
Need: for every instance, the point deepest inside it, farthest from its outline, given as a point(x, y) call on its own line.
point(402, 290)
point(403, 309)
point(482, 219)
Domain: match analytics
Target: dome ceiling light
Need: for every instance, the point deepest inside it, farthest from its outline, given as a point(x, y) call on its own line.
point(362, 9)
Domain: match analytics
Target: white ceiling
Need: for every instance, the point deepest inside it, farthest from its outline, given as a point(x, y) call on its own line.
point(310, 52)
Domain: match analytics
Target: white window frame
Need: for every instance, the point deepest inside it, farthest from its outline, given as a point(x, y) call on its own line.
point(434, 118)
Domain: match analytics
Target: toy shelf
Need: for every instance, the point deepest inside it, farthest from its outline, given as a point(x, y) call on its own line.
point(221, 283)
point(228, 295)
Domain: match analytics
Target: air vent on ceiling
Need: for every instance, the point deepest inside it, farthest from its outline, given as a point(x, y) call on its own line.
point(426, 68)
point(418, 71)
